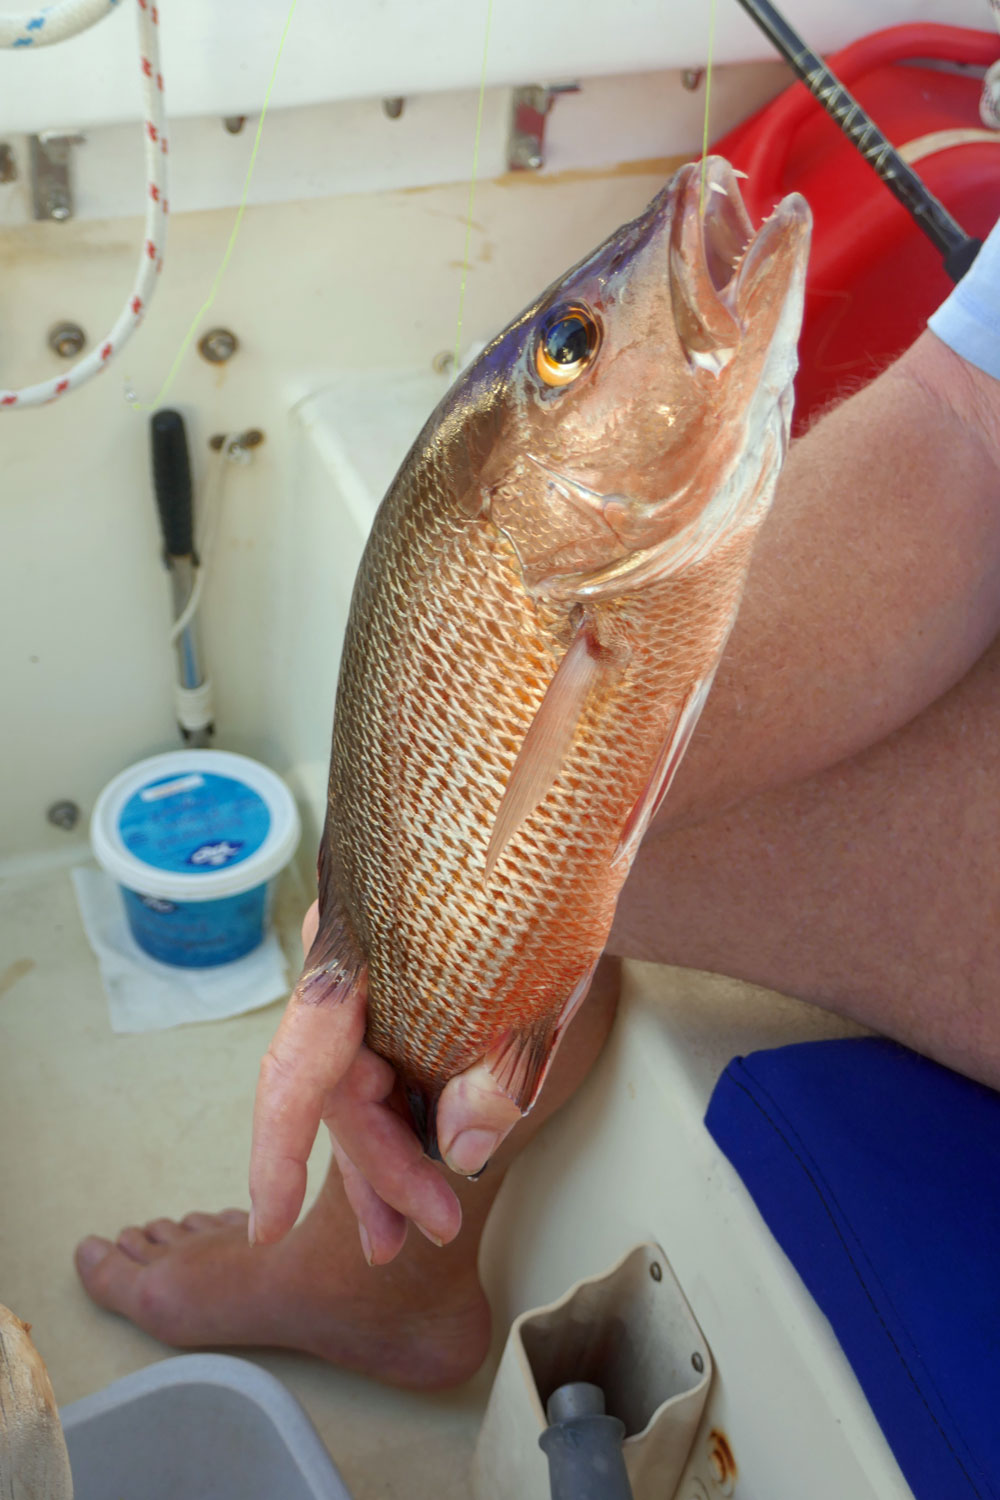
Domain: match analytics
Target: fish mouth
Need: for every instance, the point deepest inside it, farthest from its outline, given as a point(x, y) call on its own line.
point(714, 256)
point(726, 230)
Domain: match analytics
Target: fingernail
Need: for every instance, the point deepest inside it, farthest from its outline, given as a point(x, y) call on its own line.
point(471, 1150)
point(432, 1237)
point(366, 1245)
point(252, 1227)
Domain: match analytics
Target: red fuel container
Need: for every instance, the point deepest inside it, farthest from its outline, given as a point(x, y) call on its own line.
point(874, 278)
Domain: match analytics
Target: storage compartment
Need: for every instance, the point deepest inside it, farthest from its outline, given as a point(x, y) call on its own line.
point(632, 1333)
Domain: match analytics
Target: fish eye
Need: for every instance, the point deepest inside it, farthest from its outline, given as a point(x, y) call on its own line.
point(567, 343)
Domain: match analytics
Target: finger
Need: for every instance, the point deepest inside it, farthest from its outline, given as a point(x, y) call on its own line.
point(386, 1152)
point(382, 1229)
point(310, 926)
point(474, 1116)
point(311, 1051)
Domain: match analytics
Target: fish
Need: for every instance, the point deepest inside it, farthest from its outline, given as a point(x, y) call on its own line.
point(536, 621)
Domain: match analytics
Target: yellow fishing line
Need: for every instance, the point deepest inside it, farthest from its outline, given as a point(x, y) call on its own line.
point(237, 222)
point(472, 181)
point(708, 98)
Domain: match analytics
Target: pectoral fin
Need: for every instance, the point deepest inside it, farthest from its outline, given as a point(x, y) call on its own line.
point(663, 772)
point(548, 739)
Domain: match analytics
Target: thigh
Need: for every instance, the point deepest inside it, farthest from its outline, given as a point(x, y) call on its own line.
point(872, 889)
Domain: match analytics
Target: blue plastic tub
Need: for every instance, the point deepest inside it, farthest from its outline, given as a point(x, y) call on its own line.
point(195, 839)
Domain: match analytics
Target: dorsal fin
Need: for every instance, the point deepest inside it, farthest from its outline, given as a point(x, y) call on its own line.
point(549, 737)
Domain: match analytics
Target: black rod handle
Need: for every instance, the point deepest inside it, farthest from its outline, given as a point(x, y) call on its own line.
point(172, 482)
point(956, 247)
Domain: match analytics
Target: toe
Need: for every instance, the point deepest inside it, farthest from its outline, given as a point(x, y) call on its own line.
point(165, 1232)
point(200, 1221)
point(138, 1246)
point(107, 1273)
point(235, 1217)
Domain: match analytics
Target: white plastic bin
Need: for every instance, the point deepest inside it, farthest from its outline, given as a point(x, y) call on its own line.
point(198, 1427)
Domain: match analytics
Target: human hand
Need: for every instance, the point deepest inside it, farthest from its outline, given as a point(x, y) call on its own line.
point(318, 1070)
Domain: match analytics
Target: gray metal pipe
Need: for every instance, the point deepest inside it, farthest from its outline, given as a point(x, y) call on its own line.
point(584, 1446)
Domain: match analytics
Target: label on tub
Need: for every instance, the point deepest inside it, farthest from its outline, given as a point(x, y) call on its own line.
point(197, 934)
point(194, 824)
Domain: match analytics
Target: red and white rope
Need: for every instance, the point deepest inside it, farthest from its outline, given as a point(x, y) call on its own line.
point(53, 23)
point(85, 12)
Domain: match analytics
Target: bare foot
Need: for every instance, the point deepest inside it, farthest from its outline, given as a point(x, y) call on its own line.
point(421, 1321)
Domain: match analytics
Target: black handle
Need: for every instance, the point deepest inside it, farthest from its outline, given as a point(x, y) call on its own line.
point(172, 482)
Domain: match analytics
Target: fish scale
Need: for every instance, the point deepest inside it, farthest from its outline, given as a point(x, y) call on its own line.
point(537, 619)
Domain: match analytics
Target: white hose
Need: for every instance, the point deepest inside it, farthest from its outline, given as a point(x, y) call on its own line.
point(65, 20)
point(208, 531)
point(53, 23)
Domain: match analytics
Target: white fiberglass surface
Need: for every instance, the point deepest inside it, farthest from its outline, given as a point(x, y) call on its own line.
point(340, 51)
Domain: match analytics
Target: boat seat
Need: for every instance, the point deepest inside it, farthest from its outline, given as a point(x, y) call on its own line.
point(878, 1173)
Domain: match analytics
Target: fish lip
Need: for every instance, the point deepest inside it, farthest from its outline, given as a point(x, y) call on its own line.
point(790, 217)
point(710, 231)
point(726, 229)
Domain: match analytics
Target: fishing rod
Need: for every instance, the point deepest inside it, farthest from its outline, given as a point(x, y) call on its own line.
point(957, 249)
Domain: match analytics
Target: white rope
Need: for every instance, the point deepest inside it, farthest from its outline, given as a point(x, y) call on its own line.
point(53, 23)
point(73, 16)
point(989, 103)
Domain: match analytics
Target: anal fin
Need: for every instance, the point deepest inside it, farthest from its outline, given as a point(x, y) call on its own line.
point(521, 1059)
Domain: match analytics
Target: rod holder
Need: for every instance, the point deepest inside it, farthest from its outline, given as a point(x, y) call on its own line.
point(629, 1332)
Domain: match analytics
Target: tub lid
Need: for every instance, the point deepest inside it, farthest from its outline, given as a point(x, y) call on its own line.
point(194, 825)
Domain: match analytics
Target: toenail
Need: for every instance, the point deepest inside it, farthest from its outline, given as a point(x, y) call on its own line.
point(471, 1150)
point(91, 1251)
point(366, 1245)
point(432, 1237)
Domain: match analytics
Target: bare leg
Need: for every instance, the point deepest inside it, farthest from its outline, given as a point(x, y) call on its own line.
point(871, 889)
point(422, 1320)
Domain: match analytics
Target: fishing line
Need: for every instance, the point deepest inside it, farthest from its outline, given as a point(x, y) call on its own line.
point(708, 100)
point(473, 179)
point(206, 306)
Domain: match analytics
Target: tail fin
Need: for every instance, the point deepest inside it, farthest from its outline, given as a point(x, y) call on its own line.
point(423, 1116)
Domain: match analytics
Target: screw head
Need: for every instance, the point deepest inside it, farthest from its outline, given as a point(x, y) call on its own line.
point(66, 340)
point(218, 345)
point(234, 123)
point(393, 108)
point(63, 814)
